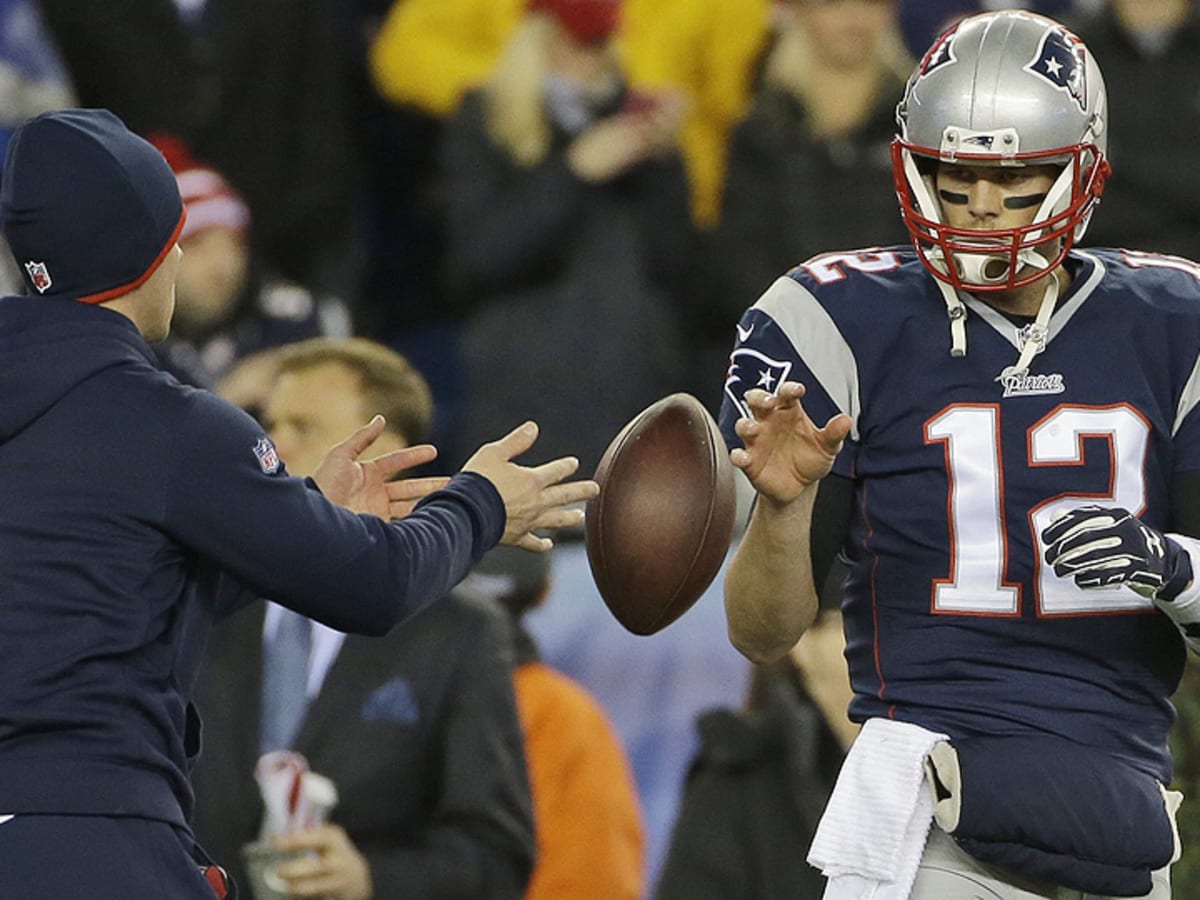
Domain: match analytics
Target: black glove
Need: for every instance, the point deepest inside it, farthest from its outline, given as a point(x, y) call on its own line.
point(1101, 547)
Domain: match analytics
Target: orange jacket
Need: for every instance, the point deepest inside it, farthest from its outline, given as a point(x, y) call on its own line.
point(587, 819)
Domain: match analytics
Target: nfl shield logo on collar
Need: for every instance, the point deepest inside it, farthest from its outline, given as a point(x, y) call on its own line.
point(39, 275)
point(268, 458)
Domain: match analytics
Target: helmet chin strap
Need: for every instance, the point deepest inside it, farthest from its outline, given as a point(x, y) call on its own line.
point(955, 308)
point(957, 311)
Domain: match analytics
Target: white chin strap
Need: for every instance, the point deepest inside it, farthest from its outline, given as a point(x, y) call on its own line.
point(955, 308)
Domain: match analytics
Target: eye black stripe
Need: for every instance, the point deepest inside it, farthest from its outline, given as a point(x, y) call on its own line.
point(953, 197)
point(1024, 202)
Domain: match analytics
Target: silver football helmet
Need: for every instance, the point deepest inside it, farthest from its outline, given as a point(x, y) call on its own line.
point(1008, 88)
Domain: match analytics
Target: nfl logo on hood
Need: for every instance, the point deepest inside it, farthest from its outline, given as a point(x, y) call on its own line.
point(39, 275)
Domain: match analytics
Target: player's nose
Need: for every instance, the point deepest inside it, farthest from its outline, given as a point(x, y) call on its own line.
point(985, 199)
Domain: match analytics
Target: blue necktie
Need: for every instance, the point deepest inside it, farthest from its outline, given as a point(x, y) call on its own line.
point(285, 679)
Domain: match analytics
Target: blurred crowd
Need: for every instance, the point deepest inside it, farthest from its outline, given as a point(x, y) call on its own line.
point(558, 209)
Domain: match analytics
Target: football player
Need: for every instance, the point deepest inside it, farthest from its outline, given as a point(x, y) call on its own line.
point(997, 429)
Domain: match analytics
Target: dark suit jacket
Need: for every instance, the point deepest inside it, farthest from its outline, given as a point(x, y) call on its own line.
point(419, 731)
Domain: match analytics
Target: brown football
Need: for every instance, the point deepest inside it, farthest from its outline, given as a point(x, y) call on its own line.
point(661, 525)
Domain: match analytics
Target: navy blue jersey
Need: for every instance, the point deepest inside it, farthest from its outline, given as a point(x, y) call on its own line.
point(953, 621)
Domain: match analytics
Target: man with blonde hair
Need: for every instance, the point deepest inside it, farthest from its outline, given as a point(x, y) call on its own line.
point(418, 730)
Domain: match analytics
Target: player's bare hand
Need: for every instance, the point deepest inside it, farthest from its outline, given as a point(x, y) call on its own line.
point(535, 497)
point(785, 451)
point(331, 868)
point(366, 486)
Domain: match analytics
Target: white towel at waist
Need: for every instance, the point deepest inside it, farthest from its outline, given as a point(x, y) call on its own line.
point(871, 837)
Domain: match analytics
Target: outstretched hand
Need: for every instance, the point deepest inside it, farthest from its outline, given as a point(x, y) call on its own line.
point(534, 496)
point(366, 486)
point(785, 452)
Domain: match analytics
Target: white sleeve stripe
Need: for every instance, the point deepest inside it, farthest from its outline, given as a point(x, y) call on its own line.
point(1189, 398)
point(817, 341)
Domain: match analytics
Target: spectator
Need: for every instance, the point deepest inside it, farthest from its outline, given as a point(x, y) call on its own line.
point(691, 666)
point(568, 234)
point(1147, 47)
point(759, 783)
point(810, 165)
point(705, 49)
point(33, 78)
point(590, 840)
point(418, 730)
point(133, 57)
point(429, 53)
point(275, 123)
point(227, 304)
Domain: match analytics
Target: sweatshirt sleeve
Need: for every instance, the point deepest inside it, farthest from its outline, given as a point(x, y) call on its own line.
point(230, 500)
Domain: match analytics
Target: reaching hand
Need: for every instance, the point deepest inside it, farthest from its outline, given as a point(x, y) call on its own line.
point(366, 486)
point(1099, 547)
point(785, 452)
point(534, 497)
point(332, 869)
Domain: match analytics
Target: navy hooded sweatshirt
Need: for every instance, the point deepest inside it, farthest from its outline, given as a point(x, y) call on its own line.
point(133, 511)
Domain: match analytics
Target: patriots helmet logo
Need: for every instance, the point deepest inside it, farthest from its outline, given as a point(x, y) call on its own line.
point(267, 456)
point(749, 369)
point(39, 276)
point(1060, 60)
point(939, 54)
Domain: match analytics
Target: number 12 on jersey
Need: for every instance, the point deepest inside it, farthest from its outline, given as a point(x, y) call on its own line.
point(970, 435)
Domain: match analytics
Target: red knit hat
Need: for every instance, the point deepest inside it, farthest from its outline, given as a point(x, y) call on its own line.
point(211, 201)
point(588, 21)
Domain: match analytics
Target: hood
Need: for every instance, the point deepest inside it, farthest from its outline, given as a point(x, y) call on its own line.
point(48, 347)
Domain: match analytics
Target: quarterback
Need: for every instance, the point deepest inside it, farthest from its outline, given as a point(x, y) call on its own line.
point(997, 430)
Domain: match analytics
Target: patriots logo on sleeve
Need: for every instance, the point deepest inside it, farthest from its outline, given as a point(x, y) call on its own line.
point(1060, 60)
point(749, 369)
point(267, 456)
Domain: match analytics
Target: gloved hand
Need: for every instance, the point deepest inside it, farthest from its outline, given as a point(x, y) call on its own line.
point(1101, 547)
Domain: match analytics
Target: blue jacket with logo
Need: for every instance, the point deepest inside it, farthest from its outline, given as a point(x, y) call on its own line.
point(133, 512)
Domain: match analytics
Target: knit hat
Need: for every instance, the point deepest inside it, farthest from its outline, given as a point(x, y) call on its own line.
point(88, 208)
point(210, 200)
point(587, 21)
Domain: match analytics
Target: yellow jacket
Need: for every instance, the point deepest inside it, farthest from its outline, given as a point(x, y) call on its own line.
point(708, 48)
point(428, 53)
